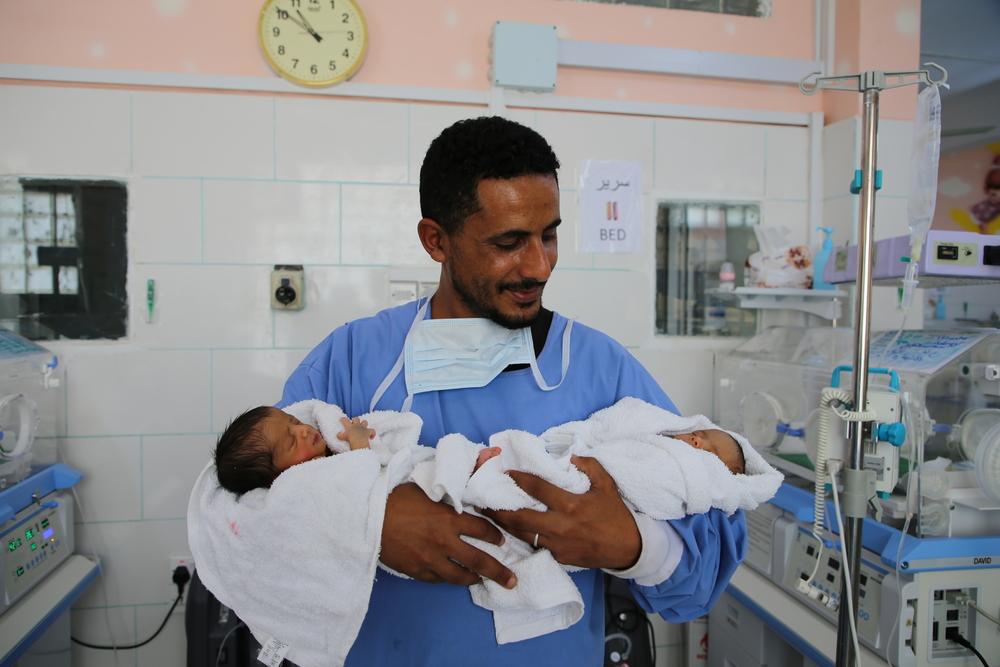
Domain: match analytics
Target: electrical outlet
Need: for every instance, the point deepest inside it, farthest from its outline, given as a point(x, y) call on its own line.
point(287, 287)
point(182, 561)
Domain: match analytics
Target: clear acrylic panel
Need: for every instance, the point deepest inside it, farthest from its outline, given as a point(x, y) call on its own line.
point(40, 280)
point(12, 254)
point(69, 281)
point(38, 227)
point(12, 281)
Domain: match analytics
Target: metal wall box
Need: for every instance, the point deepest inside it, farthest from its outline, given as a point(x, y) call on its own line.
point(524, 56)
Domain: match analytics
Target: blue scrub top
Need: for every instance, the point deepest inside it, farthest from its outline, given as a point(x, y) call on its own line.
point(415, 623)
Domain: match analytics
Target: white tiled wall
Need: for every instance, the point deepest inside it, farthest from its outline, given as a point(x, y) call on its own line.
point(221, 187)
point(202, 135)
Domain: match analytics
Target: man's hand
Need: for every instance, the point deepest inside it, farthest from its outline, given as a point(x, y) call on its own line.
point(592, 529)
point(420, 538)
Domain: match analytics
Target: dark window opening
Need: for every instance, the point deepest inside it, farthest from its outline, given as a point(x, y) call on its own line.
point(63, 258)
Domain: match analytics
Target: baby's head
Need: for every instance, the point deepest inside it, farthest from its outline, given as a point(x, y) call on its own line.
point(262, 443)
point(720, 443)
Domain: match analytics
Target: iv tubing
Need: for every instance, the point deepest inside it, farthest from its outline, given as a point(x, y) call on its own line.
point(843, 555)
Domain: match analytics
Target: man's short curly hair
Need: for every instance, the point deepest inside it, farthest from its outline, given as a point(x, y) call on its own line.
point(472, 150)
point(242, 456)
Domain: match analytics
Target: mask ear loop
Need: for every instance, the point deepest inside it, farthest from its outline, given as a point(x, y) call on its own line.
point(539, 379)
point(398, 366)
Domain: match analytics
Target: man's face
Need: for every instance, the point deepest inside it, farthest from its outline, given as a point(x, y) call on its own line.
point(502, 256)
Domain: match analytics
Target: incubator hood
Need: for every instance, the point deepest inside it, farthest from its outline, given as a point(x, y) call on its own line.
point(769, 388)
point(31, 407)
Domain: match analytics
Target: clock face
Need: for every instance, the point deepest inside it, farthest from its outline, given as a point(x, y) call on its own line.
point(313, 42)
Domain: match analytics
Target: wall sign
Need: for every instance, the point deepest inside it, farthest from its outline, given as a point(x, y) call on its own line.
point(610, 206)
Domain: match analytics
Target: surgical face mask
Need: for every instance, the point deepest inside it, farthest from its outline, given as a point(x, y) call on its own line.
point(461, 353)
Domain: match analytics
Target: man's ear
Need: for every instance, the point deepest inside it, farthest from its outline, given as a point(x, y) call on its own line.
point(433, 238)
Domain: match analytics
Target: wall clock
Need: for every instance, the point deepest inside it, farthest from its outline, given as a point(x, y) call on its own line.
point(313, 42)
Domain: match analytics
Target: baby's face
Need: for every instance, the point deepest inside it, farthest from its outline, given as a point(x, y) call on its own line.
point(717, 442)
point(291, 442)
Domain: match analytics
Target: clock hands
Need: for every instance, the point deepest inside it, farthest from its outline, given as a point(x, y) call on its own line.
point(305, 25)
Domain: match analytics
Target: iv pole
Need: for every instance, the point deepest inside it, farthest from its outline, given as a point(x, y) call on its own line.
point(859, 484)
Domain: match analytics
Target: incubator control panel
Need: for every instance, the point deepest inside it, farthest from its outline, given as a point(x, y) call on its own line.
point(801, 562)
point(35, 542)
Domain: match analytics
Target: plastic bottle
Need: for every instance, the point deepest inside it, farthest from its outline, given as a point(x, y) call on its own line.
point(727, 277)
point(822, 257)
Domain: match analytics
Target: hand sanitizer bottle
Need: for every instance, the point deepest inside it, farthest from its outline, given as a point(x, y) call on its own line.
point(822, 257)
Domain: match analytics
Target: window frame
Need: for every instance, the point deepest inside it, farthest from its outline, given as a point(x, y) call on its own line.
point(682, 342)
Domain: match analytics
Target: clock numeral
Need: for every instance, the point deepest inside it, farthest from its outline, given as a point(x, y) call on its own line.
point(333, 65)
point(282, 14)
point(345, 17)
point(295, 63)
point(281, 49)
point(350, 35)
point(276, 31)
point(313, 69)
point(347, 53)
point(333, 4)
point(314, 3)
point(296, 3)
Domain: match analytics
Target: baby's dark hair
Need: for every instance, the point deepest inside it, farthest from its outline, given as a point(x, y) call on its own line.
point(742, 457)
point(488, 147)
point(242, 457)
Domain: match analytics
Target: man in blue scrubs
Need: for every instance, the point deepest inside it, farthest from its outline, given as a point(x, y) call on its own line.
point(489, 199)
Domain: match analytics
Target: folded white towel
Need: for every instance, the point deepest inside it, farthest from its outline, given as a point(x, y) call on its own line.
point(296, 562)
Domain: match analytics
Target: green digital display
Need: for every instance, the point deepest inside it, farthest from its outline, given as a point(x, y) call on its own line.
point(14, 544)
point(33, 546)
point(20, 571)
point(28, 534)
point(45, 523)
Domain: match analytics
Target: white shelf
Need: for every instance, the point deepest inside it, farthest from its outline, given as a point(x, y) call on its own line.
point(827, 304)
point(24, 622)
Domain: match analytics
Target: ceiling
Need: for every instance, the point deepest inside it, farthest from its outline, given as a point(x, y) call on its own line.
point(963, 36)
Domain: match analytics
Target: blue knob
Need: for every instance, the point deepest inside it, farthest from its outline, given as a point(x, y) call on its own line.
point(894, 434)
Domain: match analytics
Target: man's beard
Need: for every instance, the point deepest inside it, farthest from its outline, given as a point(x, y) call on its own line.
point(475, 296)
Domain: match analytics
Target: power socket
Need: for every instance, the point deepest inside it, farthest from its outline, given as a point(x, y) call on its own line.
point(288, 287)
point(182, 561)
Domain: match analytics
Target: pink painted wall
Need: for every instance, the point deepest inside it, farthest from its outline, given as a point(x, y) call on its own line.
point(883, 35)
point(445, 43)
point(961, 186)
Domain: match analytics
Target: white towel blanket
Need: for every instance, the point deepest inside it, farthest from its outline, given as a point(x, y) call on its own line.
point(297, 562)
